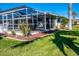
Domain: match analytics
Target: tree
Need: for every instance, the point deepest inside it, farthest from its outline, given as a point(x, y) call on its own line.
point(64, 21)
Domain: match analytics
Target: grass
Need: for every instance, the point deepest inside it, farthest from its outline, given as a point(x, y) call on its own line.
point(58, 44)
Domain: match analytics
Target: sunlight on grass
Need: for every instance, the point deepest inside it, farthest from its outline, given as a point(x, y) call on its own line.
point(76, 27)
point(57, 44)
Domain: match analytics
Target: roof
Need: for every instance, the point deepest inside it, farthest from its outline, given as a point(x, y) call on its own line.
point(13, 9)
point(24, 6)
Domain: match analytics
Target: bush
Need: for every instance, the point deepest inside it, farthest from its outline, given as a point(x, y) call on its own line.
point(62, 26)
point(24, 28)
point(1, 37)
point(13, 32)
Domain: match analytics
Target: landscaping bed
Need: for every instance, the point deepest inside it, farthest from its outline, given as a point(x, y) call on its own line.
point(26, 38)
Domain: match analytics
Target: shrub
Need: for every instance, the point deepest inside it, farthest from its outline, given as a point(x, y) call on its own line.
point(1, 37)
point(62, 26)
point(13, 32)
point(24, 28)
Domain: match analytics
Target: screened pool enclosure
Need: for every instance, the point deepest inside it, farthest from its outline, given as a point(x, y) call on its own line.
point(37, 20)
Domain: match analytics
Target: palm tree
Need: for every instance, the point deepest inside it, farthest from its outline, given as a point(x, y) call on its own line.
point(69, 15)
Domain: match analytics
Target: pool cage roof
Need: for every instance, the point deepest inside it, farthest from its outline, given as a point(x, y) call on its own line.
point(22, 7)
point(22, 11)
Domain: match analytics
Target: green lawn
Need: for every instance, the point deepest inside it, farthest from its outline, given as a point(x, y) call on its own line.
point(58, 44)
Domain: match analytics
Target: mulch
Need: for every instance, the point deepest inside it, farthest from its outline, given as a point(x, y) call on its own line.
point(26, 38)
point(30, 37)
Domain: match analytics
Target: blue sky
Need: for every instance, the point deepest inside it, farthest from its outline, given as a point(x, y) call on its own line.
point(56, 8)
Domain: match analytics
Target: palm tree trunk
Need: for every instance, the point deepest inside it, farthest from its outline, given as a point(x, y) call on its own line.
point(69, 15)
